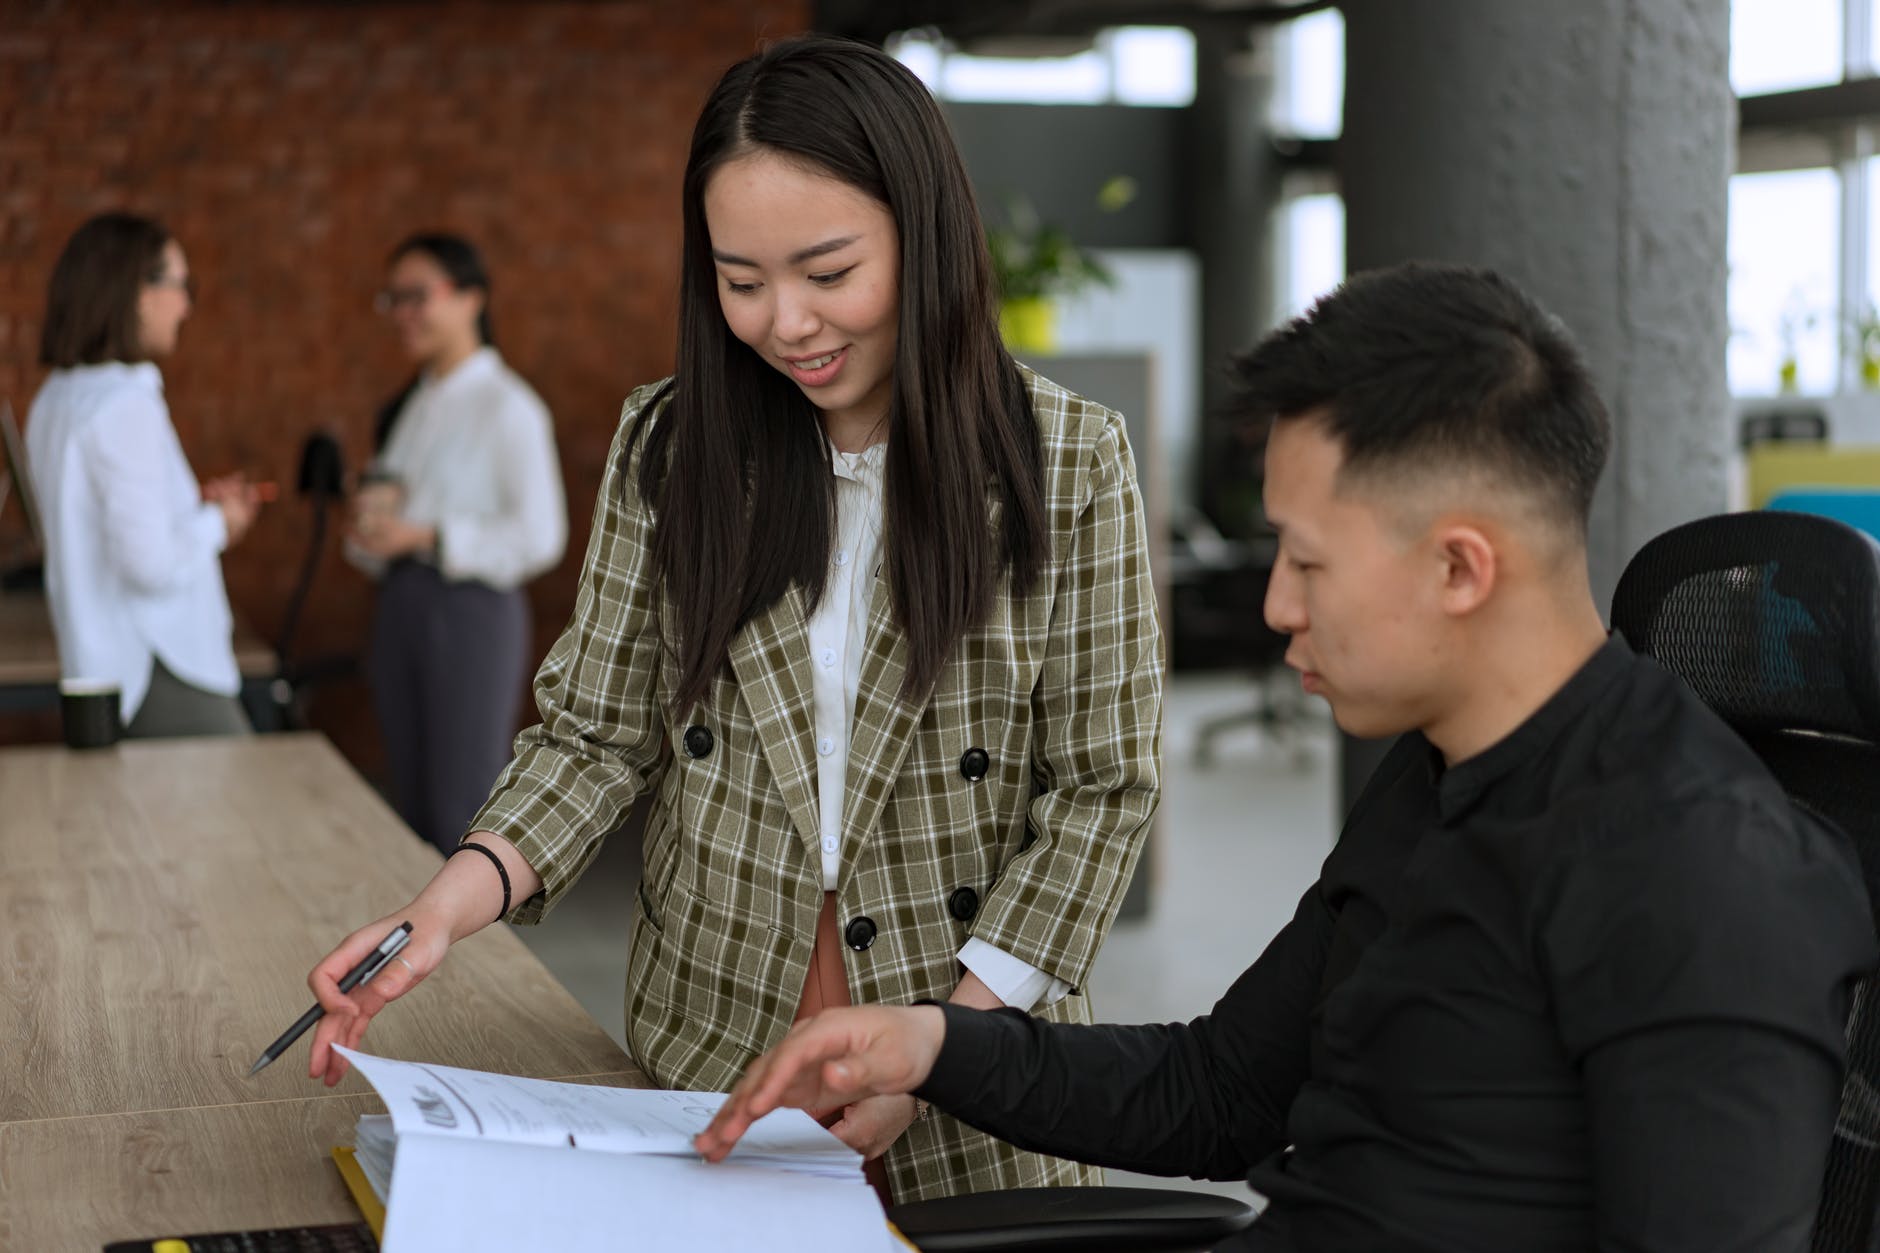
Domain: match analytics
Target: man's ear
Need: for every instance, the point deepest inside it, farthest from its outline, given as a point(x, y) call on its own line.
point(1468, 565)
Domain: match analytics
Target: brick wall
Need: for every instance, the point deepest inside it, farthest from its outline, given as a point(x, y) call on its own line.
point(289, 146)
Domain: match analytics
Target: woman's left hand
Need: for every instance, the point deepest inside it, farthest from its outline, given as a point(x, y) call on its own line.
point(870, 1126)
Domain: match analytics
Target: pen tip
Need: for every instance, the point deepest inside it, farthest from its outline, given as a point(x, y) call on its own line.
point(256, 1068)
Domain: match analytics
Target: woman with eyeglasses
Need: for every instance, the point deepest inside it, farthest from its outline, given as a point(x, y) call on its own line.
point(867, 613)
point(462, 507)
point(133, 559)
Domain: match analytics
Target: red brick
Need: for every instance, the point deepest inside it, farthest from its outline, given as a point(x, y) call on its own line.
point(290, 145)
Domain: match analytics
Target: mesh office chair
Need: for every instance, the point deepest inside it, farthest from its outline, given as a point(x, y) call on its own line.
point(1774, 620)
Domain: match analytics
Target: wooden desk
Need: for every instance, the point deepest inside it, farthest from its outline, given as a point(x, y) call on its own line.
point(29, 655)
point(71, 1185)
point(163, 902)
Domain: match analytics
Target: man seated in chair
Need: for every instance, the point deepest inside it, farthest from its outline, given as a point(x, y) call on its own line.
point(1575, 974)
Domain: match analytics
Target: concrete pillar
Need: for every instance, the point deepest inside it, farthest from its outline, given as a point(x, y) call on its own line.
point(1584, 150)
point(1232, 181)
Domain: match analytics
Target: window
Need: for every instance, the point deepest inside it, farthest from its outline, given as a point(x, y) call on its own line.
point(1309, 76)
point(1311, 247)
point(1137, 65)
point(1784, 285)
point(1780, 45)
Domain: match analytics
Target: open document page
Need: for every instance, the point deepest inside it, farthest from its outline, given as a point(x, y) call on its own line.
point(483, 1161)
point(444, 1100)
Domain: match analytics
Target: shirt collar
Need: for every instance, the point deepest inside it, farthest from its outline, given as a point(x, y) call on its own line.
point(142, 373)
point(478, 364)
point(1461, 787)
point(862, 467)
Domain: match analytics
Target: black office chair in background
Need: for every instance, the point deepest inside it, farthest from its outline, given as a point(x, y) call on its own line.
point(1774, 620)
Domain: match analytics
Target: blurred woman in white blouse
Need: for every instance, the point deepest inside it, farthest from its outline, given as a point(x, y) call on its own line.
point(133, 543)
point(463, 506)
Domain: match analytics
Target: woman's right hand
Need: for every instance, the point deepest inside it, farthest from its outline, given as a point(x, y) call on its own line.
point(238, 499)
point(463, 897)
point(348, 1013)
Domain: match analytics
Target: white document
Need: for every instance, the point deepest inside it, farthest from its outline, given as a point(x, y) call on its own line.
point(495, 1162)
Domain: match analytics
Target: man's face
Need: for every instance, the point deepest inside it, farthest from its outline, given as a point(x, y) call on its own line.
point(1357, 593)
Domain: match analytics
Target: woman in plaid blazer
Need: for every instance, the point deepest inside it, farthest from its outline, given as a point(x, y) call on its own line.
point(866, 607)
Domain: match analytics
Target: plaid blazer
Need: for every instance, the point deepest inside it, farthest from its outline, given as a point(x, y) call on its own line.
point(1058, 695)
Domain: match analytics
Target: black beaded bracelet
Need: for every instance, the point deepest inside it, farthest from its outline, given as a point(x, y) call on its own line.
point(496, 861)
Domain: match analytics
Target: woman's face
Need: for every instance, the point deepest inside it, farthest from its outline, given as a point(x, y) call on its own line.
point(164, 303)
point(433, 316)
point(808, 277)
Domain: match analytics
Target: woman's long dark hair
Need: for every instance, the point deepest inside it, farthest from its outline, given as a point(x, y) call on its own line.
point(463, 266)
point(738, 464)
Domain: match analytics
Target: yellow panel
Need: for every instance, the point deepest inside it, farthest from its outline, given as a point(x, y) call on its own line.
point(1778, 467)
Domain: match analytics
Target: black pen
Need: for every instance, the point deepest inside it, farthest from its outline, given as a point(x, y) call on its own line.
point(372, 963)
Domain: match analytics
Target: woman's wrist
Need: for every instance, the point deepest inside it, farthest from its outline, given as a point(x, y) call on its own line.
point(469, 891)
point(466, 893)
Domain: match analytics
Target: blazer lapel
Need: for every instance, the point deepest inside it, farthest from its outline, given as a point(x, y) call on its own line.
point(770, 658)
point(883, 729)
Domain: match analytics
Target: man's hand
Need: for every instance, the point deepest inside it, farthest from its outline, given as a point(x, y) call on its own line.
point(841, 1057)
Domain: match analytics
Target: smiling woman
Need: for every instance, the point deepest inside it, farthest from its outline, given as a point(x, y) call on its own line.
point(825, 315)
point(867, 611)
point(462, 508)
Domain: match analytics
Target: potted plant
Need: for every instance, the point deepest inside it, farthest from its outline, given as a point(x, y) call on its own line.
point(1034, 263)
point(1864, 343)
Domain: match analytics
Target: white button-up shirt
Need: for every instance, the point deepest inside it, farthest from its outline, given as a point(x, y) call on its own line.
point(475, 453)
point(838, 637)
point(133, 553)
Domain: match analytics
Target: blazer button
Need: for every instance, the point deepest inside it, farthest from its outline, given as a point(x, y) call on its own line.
point(860, 933)
point(975, 764)
point(698, 741)
point(963, 904)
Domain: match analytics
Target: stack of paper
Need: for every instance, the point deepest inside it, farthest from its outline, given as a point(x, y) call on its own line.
point(469, 1160)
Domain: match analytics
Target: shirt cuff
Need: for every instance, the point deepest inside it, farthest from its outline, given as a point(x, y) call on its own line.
point(969, 1051)
point(1018, 983)
point(213, 526)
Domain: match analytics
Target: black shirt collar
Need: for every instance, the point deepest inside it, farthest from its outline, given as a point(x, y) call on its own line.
point(1460, 787)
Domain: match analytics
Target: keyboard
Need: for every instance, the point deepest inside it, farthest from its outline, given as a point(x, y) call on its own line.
point(339, 1238)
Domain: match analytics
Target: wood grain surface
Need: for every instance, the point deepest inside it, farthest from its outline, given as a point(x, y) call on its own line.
point(71, 1185)
point(29, 654)
point(163, 902)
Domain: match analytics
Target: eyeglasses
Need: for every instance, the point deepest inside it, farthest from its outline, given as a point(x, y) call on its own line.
point(393, 299)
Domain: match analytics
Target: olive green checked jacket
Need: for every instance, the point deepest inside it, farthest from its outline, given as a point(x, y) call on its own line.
point(1060, 692)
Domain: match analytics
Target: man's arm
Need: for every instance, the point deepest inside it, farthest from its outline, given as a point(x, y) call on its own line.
point(1709, 1137)
point(1205, 1099)
point(1700, 979)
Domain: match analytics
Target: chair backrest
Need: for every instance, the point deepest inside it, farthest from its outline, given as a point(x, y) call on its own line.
point(19, 475)
point(1774, 620)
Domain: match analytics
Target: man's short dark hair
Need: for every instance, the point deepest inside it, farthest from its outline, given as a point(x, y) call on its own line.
point(1426, 368)
point(91, 302)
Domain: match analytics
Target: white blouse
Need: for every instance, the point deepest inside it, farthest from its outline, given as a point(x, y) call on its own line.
point(838, 634)
point(133, 553)
point(475, 452)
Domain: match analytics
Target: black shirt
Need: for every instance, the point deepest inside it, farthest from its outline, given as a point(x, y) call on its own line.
point(1584, 990)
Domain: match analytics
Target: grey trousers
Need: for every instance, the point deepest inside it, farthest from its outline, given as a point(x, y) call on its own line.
point(448, 663)
point(173, 707)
